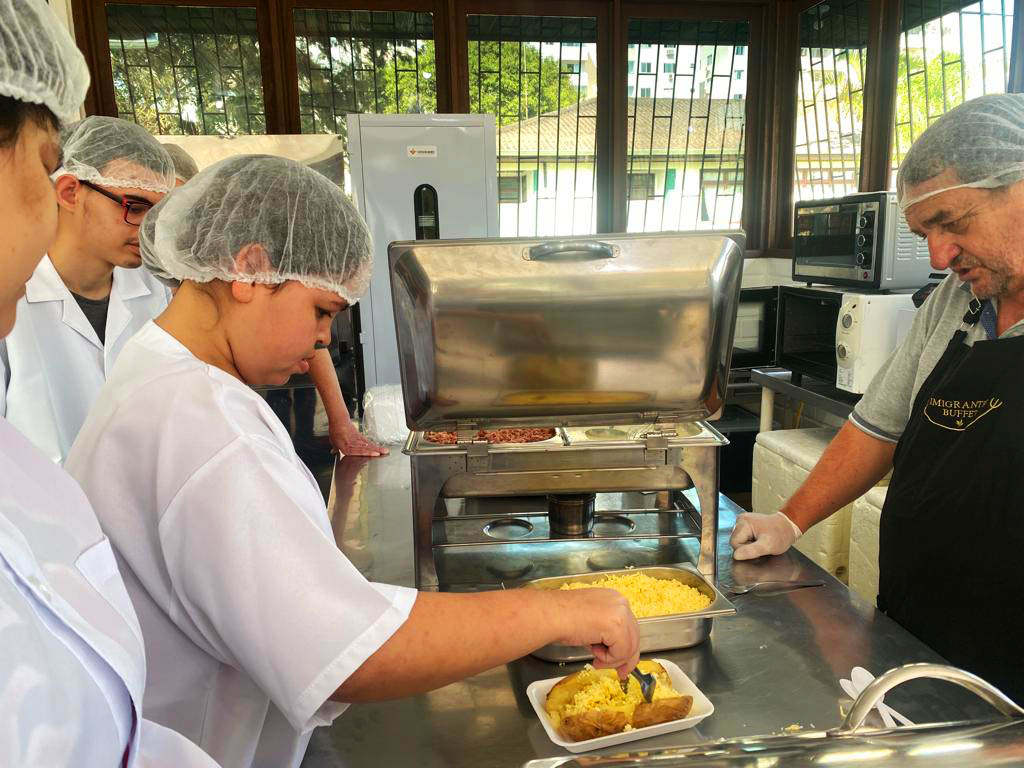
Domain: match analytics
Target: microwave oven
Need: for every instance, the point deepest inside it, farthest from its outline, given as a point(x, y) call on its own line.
point(840, 337)
point(860, 241)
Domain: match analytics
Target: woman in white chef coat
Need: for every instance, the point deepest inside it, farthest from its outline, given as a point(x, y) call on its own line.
point(72, 670)
point(257, 628)
point(87, 296)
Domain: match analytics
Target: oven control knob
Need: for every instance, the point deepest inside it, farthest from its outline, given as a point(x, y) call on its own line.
point(847, 320)
point(861, 239)
point(863, 259)
point(841, 351)
point(867, 219)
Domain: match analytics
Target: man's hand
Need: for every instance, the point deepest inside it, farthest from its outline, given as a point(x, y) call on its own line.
point(349, 441)
point(755, 535)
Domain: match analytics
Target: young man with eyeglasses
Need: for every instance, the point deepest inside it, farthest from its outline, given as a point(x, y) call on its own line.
point(88, 295)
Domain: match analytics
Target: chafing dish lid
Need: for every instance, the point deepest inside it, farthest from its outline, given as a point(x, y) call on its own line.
point(615, 329)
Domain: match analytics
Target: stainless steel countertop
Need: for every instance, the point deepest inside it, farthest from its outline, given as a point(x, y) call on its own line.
point(774, 665)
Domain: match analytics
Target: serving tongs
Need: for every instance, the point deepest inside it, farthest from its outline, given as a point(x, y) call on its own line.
point(647, 684)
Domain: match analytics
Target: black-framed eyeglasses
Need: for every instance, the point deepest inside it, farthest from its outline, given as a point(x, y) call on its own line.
point(134, 210)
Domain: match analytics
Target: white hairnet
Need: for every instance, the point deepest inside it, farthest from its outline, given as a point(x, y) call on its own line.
point(39, 62)
point(308, 229)
point(184, 166)
point(981, 141)
point(115, 153)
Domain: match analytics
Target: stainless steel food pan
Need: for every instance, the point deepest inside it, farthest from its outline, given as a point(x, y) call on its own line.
point(658, 633)
point(620, 329)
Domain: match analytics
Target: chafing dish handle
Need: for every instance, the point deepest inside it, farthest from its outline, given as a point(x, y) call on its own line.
point(883, 683)
point(575, 249)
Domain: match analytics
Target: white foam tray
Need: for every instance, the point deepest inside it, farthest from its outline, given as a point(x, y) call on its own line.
point(538, 691)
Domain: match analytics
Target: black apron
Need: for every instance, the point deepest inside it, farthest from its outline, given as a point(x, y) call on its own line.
point(952, 527)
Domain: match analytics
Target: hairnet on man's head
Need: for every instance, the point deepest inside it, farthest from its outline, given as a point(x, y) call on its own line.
point(115, 153)
point(184, 166)
point(39, 63)
point(981, 142)
point(309, 231)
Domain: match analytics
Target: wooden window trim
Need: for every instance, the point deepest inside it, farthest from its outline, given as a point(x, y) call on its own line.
point(760, 133)
point(598, 9)
point(91, 26)
point(437, 8)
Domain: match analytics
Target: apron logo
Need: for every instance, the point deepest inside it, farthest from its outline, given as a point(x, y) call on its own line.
point(958, 415)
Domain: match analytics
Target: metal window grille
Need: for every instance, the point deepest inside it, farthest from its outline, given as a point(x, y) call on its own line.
point(187, 70)
point(692, 139)
point(950, 52)
point(380, 62)
point(830, 99)
point(362, 61)
point(538, 76)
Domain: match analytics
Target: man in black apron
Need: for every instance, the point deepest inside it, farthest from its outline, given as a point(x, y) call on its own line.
point(946, 414)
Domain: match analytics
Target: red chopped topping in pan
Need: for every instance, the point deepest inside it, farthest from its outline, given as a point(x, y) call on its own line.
point(512, 435)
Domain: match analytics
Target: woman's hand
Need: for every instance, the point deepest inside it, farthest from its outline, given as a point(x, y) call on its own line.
point(349, 441)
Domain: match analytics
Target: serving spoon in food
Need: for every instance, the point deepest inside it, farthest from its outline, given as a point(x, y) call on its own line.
point(647, 684)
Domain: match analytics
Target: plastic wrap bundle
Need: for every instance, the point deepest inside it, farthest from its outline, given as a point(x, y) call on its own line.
point(384, 414)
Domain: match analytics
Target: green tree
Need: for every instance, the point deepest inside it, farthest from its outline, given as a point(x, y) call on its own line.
point(514, 82)
point(930, 89)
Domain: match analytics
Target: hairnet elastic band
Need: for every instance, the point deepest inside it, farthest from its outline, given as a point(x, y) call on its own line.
point(110, 181)
point(991, 182)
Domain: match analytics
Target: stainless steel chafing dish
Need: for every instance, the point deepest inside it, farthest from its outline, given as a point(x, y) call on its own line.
point(657, 633)
point(621, 344)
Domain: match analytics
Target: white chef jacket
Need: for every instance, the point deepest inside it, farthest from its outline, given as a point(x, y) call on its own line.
point(72, 670)
point(52, 365)
point(251, 615)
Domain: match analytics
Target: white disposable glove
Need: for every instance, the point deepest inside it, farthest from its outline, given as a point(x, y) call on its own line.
point(755, 535)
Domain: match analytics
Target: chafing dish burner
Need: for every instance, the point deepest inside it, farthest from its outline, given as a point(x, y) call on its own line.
point(613, 525)
point(571, 514)
point(510, 528)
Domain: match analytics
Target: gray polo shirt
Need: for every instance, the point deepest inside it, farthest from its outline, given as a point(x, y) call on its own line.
point(884, 410)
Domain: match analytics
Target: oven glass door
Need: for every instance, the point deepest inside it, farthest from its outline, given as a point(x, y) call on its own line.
point(756, 316)
point(807, 331)
point(827, 238)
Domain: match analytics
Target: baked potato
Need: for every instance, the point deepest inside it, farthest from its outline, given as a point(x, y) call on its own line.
point(590, 703)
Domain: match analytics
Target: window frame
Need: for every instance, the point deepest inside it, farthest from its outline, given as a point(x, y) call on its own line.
point(90, 18)
point(758, 125)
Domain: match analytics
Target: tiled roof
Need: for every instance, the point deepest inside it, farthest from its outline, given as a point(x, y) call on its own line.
point(686, 123)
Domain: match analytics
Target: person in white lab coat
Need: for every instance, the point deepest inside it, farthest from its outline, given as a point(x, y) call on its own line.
point(257, 627)
point(72, 669)
point(88, 295)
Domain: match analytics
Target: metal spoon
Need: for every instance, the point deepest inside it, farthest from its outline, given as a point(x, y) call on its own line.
point(647, 684)
point(742, 589)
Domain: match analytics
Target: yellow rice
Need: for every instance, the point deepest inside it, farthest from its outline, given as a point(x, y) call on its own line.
point(649, 596)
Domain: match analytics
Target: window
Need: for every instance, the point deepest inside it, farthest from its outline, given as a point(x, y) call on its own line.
point(185, 70)
point(668, 66)
point(740, 50)
point(630, 90)
point(546, 118)
point(830, 99)
point(694, 134)
point(641, 186)
point(738, 74)
point(645, 67)
point(630, 66)
point(949, 53)
point(512, 188)
point(670, 54)
point(645, 93)
point(362, 61)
